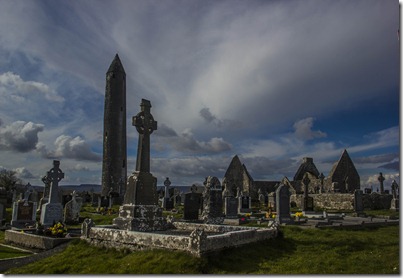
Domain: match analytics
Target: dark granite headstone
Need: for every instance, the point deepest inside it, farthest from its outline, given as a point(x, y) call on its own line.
point(283, 205)
point(231, 207)
point(191, 206)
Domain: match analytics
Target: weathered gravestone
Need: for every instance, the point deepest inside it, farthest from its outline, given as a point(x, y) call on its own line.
point(168, 202)
point(140, 210)
point(358, 203)
point(3, 204)
point(307, 201)
point(192, 206)
point(283, 215)
point(24, 212)
point(45, 197)
point(212, 201)
point(72, 209)
point(272, 201)
point(394, 205)
point(52, 212)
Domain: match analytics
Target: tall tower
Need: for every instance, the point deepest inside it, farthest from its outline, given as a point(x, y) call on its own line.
point(114, 164)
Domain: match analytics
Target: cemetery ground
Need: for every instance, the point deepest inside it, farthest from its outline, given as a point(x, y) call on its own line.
point(371, 250)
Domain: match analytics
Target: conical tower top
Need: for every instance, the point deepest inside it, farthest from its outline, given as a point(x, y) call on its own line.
point(116, 65)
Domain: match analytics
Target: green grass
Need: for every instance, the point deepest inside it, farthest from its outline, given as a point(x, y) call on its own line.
point(297, 251)
point(8, 253)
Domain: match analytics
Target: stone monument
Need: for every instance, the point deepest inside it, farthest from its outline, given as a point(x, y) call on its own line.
point(283, 215)
point(140, 210)
point(24, 212)
point(394, 205)
point(307, 201)
point(381, 179)
point(212, 202)
point(358, 203)
point(168, 203)
point(72, 209)
point(52, 211)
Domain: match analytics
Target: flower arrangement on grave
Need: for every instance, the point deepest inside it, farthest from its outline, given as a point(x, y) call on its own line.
point(247, 215)
point(299, 214)
point(270, 214)
point(57, 230)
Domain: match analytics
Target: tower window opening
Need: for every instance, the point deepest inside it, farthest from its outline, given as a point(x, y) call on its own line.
point(124, 163)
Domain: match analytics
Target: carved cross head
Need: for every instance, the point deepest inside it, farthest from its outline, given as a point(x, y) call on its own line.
point(144, 121)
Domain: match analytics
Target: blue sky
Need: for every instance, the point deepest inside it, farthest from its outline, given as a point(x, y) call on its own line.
point(270, 81)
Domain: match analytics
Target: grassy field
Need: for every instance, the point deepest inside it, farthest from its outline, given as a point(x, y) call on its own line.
point(296, 251)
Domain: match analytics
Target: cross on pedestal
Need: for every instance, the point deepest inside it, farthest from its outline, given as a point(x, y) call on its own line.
point(54, 175)
point(145, 125)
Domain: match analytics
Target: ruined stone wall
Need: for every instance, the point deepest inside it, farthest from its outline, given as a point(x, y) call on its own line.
point(343, 201)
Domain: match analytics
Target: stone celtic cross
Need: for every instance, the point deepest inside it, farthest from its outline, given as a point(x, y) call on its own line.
point(54, 175)
point(145, 125)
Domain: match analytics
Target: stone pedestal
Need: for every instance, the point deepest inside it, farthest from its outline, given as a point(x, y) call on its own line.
point(143, 218)
point(141, 211)
point(394, 204)
point(51, 213)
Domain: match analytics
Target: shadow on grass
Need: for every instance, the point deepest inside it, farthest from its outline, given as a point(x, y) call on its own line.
point(247, 259)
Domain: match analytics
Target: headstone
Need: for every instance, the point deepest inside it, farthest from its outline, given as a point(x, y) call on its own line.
point(212, 201)
point(272, 201)
point(283, 215)
point(245, 202)
point(381, 179)
point(140, 210)
point(307, 201)
point(3, 204)
point(261, 197)
point(231, 207)
point(192, 205)
point(24, 213)
point(168, 201)
point(72, 209)
point(52, 212)
point(394, 205)
point(358, 203)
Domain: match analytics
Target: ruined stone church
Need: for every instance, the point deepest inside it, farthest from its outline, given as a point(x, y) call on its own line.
point(342, 178)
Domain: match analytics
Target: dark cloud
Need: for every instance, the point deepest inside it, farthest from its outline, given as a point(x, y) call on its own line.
point(206, 114)
point(392, 166)
point(165, 131)
point(20, 136)
point(382, 158)
point(303, 130)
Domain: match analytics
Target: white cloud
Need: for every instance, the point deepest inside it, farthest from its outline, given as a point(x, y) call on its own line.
point(20, 136)
point(17, 88)
point(76, 148)
point(24, 173)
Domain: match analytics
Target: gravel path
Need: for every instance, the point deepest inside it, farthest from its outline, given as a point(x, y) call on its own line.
point(17, 262)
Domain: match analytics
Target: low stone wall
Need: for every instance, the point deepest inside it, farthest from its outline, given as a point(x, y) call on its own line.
point(197, 243)
point(33, 241)
point(342, 201)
